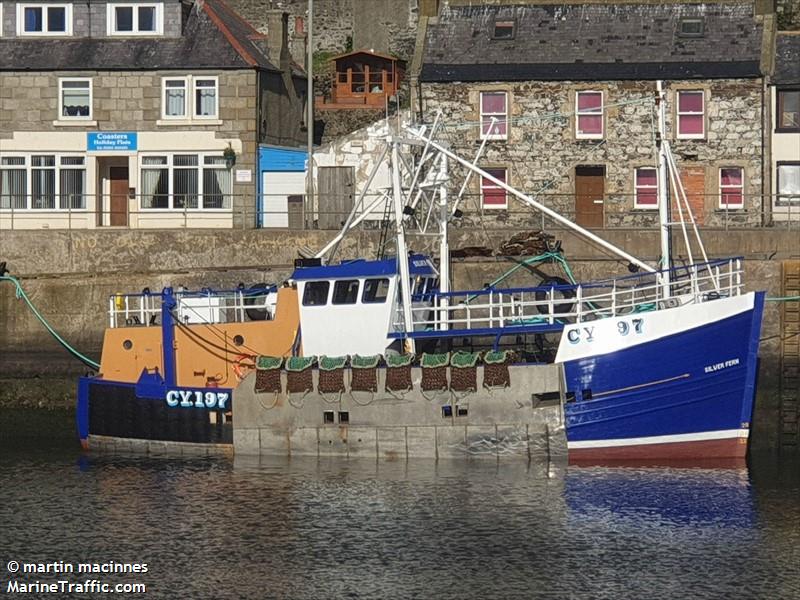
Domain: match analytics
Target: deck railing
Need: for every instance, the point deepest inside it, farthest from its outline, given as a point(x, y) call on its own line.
point(556, 305)
point(203, 307)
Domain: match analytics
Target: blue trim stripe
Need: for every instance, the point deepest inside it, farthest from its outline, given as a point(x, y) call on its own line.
point(419, 265)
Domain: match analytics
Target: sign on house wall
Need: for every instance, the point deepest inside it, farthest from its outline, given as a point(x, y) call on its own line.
point(119, 141)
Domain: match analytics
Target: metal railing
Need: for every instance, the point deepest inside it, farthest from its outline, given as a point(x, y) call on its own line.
point(493, 308)
point(204, 307)
point(329, 212)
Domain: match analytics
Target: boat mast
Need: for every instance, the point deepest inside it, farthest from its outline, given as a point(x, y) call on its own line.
point(402, 250)
point(444, 246)
point(662, 171)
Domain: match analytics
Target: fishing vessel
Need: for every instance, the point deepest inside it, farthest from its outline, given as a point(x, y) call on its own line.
point(382, 357)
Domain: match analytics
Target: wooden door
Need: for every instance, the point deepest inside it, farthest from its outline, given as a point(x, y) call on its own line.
point(118, 201)
point(589, 196)
point(335, 196)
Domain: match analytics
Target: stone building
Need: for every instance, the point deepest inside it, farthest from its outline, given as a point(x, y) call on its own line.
point(142, 114)
point(571, 89)
point(784, 128)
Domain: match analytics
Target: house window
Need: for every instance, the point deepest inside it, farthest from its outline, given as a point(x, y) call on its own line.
point(494, 105)
point(691, 117)
point(175, 97)
point(731, 187)
point(75, 99)
point(788, 113)
point(646, 188)
point(185, 182)
point(205, 98)
point(134, 19)
point(788, 176)
point(492, 195)
point(690, 27)
point(589, 115)
point(44, 19)
point(55, 182)
point(503, 30)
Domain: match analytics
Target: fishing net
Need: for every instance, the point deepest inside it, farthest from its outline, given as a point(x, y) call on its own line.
point(364, 371)
point(464, 371)
point(299, 376)
point(398, 372)
point(495, 370)
point(331, 374)
point(268, 375)
point(434, 371)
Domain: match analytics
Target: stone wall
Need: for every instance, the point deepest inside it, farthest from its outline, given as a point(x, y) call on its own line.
point(788, 15)
point(541, 152)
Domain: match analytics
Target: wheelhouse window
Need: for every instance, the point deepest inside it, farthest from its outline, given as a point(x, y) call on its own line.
point(345, 292)
point(788, 175)
point(176, 97)
point(645, 188)
point(44, 19)
point(43, 182)
point(589, 115)
point(185, 182)
point(492, 195)
point(375, 291)
point(75, 99)
point(316, 293)
point(788, 111)
point(691, 114)
point(134, 19)
point(731, 187)
point(494, 105)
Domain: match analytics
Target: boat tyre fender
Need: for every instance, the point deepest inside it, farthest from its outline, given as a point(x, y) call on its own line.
point(256, 294)
point(559, 306)
point(242, 365)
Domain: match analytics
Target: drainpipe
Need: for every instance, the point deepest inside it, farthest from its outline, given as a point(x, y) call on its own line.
point(168, 304)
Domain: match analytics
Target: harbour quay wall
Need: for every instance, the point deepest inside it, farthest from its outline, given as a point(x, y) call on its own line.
point(70, 275)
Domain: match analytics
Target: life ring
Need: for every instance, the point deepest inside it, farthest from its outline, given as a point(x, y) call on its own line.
point(243, 364)
point(559, 306)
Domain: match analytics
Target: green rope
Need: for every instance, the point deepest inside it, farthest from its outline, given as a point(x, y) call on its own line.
point(783, 299)
point(20, 293)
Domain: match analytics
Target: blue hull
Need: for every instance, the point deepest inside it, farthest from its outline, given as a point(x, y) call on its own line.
point(673, 389)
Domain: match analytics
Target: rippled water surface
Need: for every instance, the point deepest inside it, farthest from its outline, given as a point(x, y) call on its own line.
point(417, 529)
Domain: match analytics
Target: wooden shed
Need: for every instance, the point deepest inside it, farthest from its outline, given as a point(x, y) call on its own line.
point(363, 80)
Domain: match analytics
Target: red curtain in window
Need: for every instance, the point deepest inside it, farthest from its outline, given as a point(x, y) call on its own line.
point(690, 113)
point(646, 187)
point(590, 102)
point(730, 187)
point(493, 104)
point(492, 194)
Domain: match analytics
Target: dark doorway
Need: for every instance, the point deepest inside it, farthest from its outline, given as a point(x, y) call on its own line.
point(589, 195)
point(118, 201)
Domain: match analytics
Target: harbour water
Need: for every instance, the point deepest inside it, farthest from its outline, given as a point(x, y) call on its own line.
point(269, 528)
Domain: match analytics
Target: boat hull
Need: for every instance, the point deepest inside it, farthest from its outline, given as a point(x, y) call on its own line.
point(687, 393)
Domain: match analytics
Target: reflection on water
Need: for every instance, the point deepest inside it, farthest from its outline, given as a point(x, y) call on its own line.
point(361, 529)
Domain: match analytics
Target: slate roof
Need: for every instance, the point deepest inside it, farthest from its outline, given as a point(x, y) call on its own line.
point(787, 59)
point(592, 42)
point(214, 37)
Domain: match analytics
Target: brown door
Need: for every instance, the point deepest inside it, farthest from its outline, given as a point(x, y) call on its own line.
point(119, 196)
point(335, 196)
point(589, 195)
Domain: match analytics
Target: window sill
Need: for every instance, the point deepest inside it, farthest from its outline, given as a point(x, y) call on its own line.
point(75, 123)
point(645, 208)
point(787, 130)
point(731, 209)
point(187, 122)
point(691, 138)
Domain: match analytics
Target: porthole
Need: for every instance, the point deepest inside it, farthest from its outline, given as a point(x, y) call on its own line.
point(127, 344)
point(238, 340)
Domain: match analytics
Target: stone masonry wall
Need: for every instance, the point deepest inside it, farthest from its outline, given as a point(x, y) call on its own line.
point(131, 101)
point(541, 152)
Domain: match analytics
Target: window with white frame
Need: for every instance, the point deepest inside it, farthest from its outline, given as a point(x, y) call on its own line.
point(788, 183)
point(185, 182)
point(589, 115)
point(75, 98)
point(134, 19)
point(494, 105)
point(492, 195)
point(731, 187)
point(44, 19)
point(645, 188)
point(691, 114)
point(43, 182)
point(176, 97)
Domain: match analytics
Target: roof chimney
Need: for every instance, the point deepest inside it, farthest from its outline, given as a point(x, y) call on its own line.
point(278, 37)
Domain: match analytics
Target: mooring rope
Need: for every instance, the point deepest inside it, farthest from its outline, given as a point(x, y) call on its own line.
point(20, 294)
